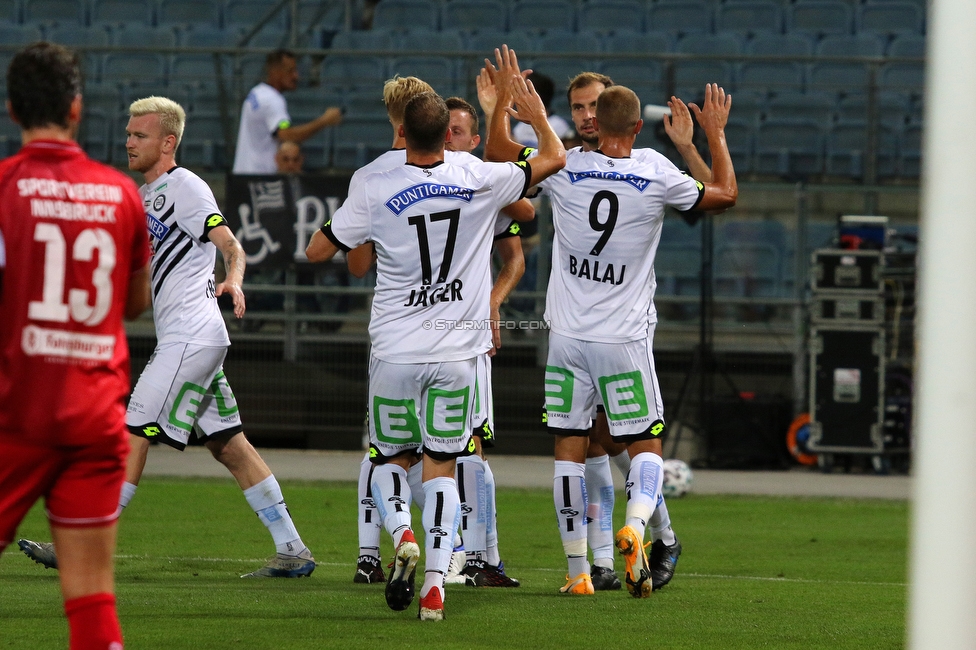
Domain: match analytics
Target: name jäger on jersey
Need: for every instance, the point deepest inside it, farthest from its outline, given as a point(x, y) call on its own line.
point(432, 228)
point(181, 211)
point(607, 214)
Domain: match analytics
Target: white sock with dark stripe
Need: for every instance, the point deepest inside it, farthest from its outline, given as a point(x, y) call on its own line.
point(569, 496)
point(391, 493)
point(491, 537)
point(266, 501)
point(660, 523)
point(471, 487)
point(442, 514)
point(643, 489)
point(599, 510)
point(128, 491)
point(369, 519)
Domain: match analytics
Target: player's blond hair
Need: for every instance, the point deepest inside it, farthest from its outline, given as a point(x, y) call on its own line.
point(400, 90)
point(172, 117)
point(617, 111)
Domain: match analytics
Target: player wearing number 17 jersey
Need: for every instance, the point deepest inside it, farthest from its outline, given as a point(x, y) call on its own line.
point(432, 224)
point(73, 262)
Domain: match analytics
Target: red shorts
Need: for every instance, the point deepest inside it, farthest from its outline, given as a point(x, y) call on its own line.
point(80, 485)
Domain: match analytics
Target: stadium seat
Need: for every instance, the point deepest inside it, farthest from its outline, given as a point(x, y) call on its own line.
point(690, 77)
point(189, 12)
point(715, 44)
point(18, 35)
point(906, 78)
point(247, 14)
point(844, 77)
point(813, 106)
point(774, 76)
point(340, 73)
point(645, 77)
point(890, 18)
point(206, 36)
point(739, 136)
point(73, 35)
point(907, 45)
point(428, 41)
point(438, 71)
point(94, 134)
point(582, 43)
point(483, 42)
point(471, 15)
point(197, 71)
point(747, 270)
point(631, 42)
point(9, 137)
point(136, 35)
point(55, 12)
point(317, 150)
point(315, 15)
point(115, 12)
point(204, 144)
point(749, 17)
point(910, 151)
point(819, 17)
point(105, 97)
point(559, 69)
point(677, 266)
point(542, 15)
point(374, 39)
point(135, 70)
point(610, 16)
point(893, 108)
point(398, 14)
point(789, 148)
point(847, 150)
point(679, 17)
point(357, 141)
point(9, 12)
point(368, 103)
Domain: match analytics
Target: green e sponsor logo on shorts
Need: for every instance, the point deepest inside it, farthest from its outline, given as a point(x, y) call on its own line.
point(186, 404)
point(559, 389)
point(396, 421)
point(623, 396)
point(226, 403)
point(447, 412)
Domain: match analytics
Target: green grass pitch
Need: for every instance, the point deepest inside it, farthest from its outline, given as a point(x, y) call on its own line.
point(756, 572)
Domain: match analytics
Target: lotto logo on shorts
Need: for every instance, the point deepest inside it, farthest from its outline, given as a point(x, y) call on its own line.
point(623, 396)
point(559, 389)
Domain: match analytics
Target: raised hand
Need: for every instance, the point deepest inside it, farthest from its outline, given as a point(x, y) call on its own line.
point(679, 125)
point(714, 113)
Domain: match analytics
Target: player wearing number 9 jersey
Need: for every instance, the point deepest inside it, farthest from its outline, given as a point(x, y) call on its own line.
point(73, 263)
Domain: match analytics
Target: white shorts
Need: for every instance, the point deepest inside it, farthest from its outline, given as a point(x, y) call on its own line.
point(484, 406)
point(421, 406)
point(618, 376)
point(183, 388)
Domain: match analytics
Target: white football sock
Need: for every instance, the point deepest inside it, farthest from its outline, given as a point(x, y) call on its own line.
point(442, 514)
point(660, 523)
point(128, 491)
point(569, 497)
point(415, 478)
point(391, 493)
point(599, 510)
point(622, 462)
point(266, 501)
point(369, 519)
point(643, 489)
point(471, 487)
point(491, 537)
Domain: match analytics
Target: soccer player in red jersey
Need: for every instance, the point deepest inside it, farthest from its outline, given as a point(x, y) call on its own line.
point(74, 255)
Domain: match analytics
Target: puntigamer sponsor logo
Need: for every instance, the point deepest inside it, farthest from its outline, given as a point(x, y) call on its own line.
point(423, 191)
point(157, 228)
point(638, 182)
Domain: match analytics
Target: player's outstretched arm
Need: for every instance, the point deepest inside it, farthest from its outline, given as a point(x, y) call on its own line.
point(513, 267)
point(225, 241)
point(138, 298)
point(551, 156)
point(681, 130)
point(723, 191)
point(499, 146)
point(321, 249)
point(521, 211)
point(302, 132)
point(360, 259)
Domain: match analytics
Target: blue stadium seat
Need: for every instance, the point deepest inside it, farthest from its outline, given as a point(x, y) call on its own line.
point(438, 71)
point(189, 12)
point(249, 69)
point(560, 41)
point(813, 106)
point(325, 16)
point(739, 136)
point(690, 78)
point(114, 12)
point(340, 73)
point(648, 42)
point(844, 77)
point(559, 69)
point(358, 141)
point(9, 12)
point(398, 14)
point(677, 231)
point(485, 41)
point(910, 151)
point(267, 37)
point(197, 71)
point(749, 17)
point(819, 17)
point(317, 150)
point(718, 44)
point(646, 78)
point(893, 108)
point(247, 13)
point(474, 14)
point(610, 16)
point(905, 78)
point(206, 36)
point(9, 137)
point(135, 70)
point(18, 35)
point(367, 103)
point(55, 12)
point(747, 270)
point(73, 35)
point(105, 97)
point(847, 150)
point(890, 18)
point(542, 15)
point(677, 266)
point(203, 142)
point(679, 17)
point(765, 76)
point(907, 45)
point(374, 39)
point(428, 41)
point(789, 148)
point(136, 35)
point(94, 134)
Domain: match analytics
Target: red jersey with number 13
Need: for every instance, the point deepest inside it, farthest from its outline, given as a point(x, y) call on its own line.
point(72, 232)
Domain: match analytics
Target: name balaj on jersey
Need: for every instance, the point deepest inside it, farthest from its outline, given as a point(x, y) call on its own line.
point(607, 215)
point(181, 211)
point(432, 228)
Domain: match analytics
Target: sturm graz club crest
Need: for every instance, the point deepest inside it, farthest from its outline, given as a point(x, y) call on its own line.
point(159, 202)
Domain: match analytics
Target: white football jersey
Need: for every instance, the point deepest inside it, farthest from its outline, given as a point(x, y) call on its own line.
point(181, 211)
point(432, 228)
point(263, 113)
point(396, 157)
point(607, 215)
